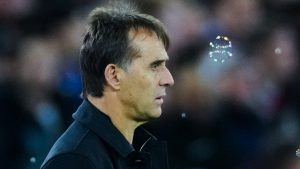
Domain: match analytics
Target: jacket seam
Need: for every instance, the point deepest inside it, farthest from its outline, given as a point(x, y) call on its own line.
point(81, 138)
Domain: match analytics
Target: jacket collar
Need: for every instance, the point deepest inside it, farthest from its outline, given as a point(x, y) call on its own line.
point(101, 124)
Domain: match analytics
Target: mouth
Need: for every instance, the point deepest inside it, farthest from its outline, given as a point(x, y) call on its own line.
point(160, 99)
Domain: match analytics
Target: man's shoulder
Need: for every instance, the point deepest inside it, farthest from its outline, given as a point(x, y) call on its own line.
point(76, 143)
point(69, 160)
point(71, 140)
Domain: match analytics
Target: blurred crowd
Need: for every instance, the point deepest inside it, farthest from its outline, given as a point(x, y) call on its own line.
point(240, 114)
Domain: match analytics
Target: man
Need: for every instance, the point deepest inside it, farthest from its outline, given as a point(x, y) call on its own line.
point(123, 62)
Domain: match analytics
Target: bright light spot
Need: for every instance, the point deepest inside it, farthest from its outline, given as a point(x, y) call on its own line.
point(298, 153)
point(220, 49)
point(183, 115)
point(278, 51)
point(32, 159)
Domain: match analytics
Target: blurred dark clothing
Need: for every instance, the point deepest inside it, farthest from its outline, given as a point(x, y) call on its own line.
point(17, 129)
point(192, 141)
point(10, 144)
point(231, 139)
point(92, 141)
point(240, 135)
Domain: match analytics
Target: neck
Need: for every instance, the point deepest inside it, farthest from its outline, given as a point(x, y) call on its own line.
point(125, 125)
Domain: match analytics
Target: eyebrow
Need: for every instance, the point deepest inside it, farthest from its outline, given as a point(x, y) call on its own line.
point(158, 62)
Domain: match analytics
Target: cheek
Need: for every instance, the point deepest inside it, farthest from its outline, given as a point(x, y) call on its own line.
point(135, 86)
point(145, 81)
point(148, 82)
point(139, 85)
point(143, 87)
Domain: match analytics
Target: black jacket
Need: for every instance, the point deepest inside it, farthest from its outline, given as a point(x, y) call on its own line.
point(93, 142)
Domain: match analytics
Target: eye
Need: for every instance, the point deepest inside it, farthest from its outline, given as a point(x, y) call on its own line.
point(156, 65)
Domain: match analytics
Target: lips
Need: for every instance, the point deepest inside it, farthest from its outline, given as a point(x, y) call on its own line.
point(161, 96)
point(160, 99)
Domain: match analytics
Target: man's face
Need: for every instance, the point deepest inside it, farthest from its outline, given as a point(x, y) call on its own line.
point(143, 84)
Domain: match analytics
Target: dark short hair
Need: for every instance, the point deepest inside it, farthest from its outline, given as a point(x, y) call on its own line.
point(106, 42)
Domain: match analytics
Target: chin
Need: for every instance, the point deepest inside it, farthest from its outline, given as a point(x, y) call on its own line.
point(153, 115)
point(148, 116)
point(157, 113)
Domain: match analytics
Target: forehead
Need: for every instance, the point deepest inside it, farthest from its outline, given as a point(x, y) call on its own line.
point(147, 44)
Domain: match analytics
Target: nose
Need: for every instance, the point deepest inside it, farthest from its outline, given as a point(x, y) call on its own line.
point(167, 78)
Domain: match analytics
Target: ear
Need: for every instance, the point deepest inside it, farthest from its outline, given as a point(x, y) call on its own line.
point(112, 76)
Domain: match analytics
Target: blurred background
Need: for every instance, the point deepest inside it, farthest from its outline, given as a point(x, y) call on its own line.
point(240, 114)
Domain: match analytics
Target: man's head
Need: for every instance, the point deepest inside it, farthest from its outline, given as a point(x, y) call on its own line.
point(124, 54)
point(107, 42)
